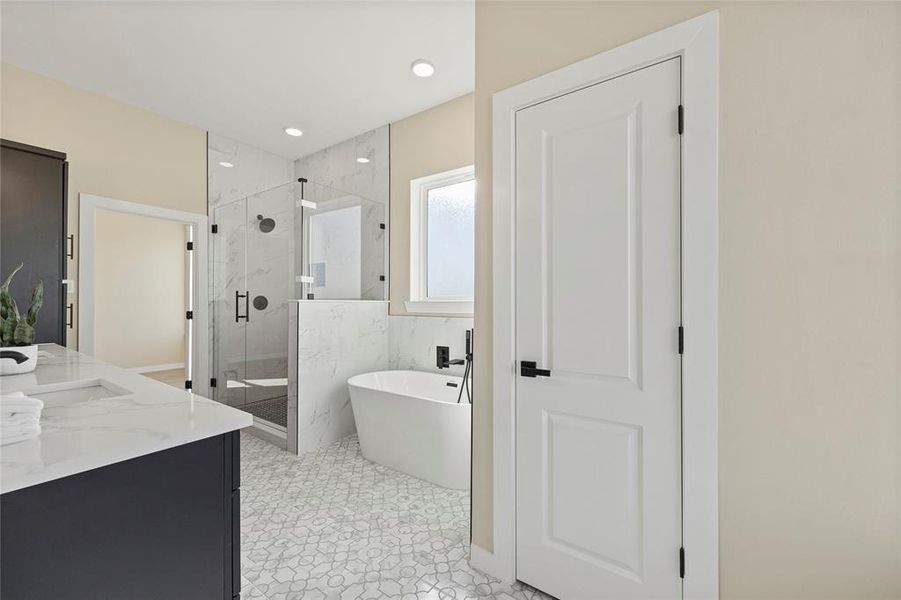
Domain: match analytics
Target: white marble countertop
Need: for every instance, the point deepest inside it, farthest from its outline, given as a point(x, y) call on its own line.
point(84, 434)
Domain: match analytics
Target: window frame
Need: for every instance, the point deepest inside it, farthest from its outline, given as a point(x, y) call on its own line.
point(419, 301)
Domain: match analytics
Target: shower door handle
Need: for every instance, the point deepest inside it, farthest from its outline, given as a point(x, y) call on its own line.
point(238, 315)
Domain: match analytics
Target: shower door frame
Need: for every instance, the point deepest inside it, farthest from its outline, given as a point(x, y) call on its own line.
point(267, 430)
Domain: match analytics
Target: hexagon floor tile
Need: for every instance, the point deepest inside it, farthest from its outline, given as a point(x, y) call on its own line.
point(331, 525)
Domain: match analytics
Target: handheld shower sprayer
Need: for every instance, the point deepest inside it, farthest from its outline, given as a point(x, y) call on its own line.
point(467, 371)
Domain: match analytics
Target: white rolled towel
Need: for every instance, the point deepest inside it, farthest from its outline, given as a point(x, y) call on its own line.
point(15, 403)
point(17, 420)
point(20, 435)
point(20, 418)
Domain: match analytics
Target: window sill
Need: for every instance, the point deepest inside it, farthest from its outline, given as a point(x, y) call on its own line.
point(434, 307)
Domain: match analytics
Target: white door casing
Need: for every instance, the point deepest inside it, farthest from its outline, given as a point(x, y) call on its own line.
point(88, 205)
point(597, 285)
point(695, 42)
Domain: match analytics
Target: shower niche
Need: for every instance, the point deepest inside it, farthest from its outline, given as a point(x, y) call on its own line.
point(297, 241)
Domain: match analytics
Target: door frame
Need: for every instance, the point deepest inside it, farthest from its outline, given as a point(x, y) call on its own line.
point(88, 204)
point(697, 42)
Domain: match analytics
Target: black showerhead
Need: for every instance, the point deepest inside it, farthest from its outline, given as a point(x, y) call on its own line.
point(266, 224)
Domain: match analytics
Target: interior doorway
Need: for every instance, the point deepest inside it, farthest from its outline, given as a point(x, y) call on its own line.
point(139, 280)
point(140, 272)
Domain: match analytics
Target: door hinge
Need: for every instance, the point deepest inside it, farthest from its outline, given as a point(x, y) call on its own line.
point(681, 112)
point(190, 245)
point(189, 314)
point(214, 228)
point(682, 563)
point(212, 382)
point(188, 384)
point(681, 340)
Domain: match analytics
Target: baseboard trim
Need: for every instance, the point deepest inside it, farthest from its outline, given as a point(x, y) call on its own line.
point(153, 368)
point(486, 562)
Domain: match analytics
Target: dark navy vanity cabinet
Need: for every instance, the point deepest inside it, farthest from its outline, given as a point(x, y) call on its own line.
point(162, 526)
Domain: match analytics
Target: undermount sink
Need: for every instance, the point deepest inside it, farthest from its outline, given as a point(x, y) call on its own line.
point(77, 391)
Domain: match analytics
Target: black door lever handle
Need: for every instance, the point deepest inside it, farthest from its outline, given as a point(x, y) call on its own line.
point(528, 368)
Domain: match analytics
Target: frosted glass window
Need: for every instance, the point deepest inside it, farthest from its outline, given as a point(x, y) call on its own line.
point(450, 239)
point(442, 243)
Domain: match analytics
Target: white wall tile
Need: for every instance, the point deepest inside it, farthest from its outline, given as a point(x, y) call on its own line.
point(254, 170)
point(337, 166)
point(412, 341)
point(335, 341)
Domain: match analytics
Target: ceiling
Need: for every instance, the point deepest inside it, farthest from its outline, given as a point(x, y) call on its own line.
point(247, 70)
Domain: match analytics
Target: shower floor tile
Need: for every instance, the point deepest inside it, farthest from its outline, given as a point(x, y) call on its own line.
point(274, 410)
point(330, 525)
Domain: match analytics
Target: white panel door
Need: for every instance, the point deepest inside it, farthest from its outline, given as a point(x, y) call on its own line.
point(598, 442)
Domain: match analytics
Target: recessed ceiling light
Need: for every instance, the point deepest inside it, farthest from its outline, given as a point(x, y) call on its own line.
point(293, 131)
point(226, 164)
point(422, 68)
point(362, 160)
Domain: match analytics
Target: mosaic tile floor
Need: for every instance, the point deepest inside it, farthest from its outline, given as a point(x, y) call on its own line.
point(331, 525)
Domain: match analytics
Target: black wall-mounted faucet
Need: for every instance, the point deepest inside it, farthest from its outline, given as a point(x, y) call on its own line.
point(444, 360)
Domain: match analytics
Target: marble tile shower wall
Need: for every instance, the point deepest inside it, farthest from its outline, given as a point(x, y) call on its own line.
point(254, 170)
point(412, 341)
point(334, 341)
point(336, 168)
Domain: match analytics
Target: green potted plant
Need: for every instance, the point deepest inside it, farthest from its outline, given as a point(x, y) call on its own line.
point(18, 352)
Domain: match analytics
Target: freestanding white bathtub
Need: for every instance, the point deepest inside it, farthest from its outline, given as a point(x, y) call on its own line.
point(410, 421)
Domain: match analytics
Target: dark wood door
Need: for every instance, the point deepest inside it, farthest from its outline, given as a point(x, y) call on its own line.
point(33, 231)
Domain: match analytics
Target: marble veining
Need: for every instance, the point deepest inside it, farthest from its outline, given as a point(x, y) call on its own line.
point(335, 340)
point(337, 166)
point(412, 342)
point(78, 436)
point(254, 170)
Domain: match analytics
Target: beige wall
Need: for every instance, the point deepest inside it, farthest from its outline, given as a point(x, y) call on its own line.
point(898, 265)
point(139, 290)
point(809, 303)
point(114, 149)
point(435, 140)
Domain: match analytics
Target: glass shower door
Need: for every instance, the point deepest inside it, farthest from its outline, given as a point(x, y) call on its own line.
point(229, 281)
point(291, 242)
point(253, 280)
point(270, 285)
